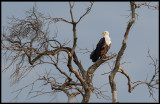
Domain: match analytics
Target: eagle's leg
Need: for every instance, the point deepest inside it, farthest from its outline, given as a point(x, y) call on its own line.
point(104, 56)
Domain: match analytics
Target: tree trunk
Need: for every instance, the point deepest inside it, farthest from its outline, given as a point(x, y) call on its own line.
point(87, 96)
point(70, 98)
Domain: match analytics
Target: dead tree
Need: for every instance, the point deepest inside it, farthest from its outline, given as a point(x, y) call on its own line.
point(117, 66)
point(27, 43)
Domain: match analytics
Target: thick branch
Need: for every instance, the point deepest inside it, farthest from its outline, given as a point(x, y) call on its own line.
point(75, 59)
point(129, 80)
point(120, 53)
point(47, 53)
point(93, 67)
point(74, 39)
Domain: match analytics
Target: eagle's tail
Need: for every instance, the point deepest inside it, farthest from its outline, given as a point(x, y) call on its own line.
point(94, 56)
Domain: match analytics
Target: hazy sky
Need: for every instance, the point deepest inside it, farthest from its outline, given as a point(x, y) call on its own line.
point(111, 16)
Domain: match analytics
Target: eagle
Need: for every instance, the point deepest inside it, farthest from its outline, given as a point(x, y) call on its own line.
point(102, 47)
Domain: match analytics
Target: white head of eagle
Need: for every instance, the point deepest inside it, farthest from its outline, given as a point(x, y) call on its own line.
point(102, 47)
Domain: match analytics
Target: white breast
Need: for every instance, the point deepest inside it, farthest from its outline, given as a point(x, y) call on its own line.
point(107, 39)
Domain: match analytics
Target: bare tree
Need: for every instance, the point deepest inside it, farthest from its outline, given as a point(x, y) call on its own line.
point(28, 43)
point(117, 66)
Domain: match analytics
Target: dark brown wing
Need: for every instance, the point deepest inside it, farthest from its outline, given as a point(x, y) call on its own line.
point(97, 52)
point(101, 42)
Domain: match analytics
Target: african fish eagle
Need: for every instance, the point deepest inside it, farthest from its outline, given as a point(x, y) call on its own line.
point(102, 47)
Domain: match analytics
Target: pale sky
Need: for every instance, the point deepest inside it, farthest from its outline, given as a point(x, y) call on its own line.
point(111, 16)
